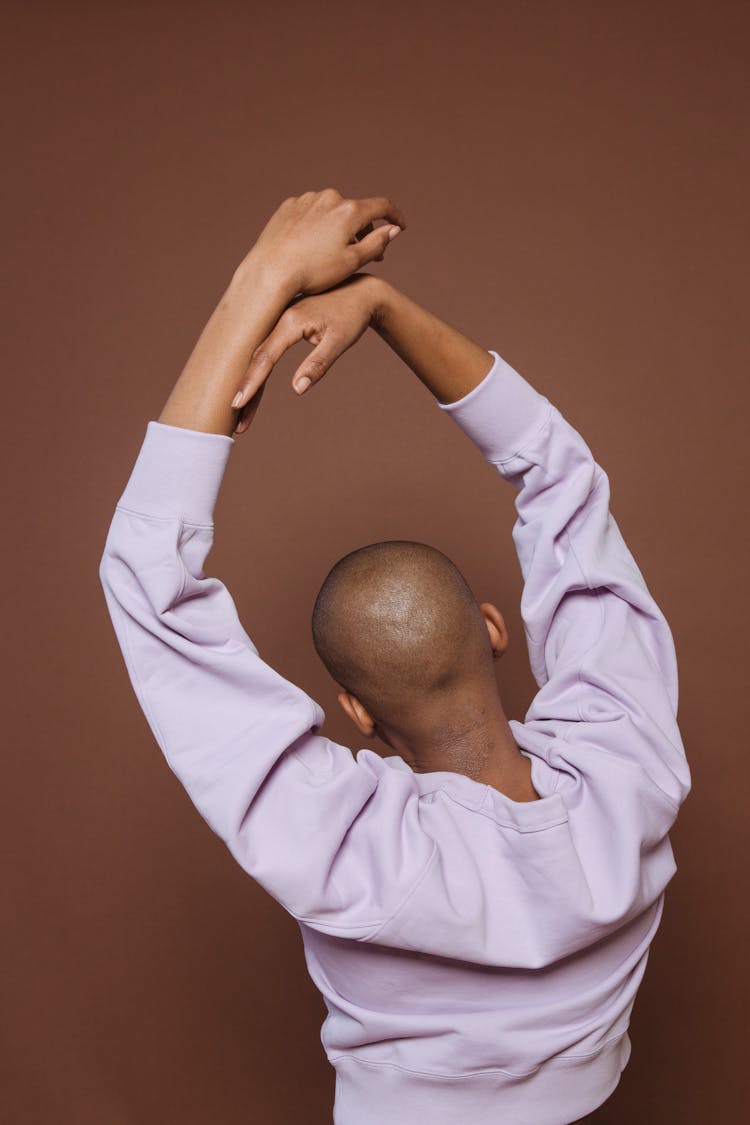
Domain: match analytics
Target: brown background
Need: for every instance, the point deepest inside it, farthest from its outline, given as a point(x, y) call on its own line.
point(575, 180)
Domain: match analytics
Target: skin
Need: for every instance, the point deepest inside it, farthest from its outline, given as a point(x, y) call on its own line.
point(299, 281)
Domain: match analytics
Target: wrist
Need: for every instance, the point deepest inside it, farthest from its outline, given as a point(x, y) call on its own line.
point(383, 297)
point(267, 277)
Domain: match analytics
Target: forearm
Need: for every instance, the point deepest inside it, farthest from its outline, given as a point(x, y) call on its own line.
point(246, 313)
point(444, 359)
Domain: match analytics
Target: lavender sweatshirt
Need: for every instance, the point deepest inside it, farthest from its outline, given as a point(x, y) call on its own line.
point(479, 957)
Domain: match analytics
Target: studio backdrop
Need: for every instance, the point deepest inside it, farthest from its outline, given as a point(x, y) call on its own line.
point(574, 177)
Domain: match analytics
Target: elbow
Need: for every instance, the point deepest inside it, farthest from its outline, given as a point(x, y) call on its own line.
point(102, 569)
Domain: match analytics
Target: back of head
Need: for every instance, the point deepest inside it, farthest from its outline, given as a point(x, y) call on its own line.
point(396, 625)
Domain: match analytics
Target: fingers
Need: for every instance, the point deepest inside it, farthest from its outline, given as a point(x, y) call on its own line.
point(289, 329)
point(372, 242)
point(246, 415)
point(319, 361)
point(311, 371)
point(373, 246)
point(368, 229)
point(379, 207)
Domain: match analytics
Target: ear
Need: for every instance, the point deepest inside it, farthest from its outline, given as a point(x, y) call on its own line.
point(358, 714)
point(496, 628)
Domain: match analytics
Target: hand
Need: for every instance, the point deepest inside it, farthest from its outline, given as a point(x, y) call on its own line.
point(315, 240)
point(333, 321)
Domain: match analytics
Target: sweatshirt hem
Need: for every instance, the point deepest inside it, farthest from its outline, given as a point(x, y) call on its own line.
point(557, 1092)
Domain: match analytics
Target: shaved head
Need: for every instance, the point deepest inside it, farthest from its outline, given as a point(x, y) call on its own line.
point(397, 626)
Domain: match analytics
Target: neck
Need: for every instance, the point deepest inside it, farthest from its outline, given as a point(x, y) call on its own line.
point(480, 746)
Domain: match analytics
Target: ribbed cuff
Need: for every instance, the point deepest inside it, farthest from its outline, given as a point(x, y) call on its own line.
point(502, 413)
point(178, 472)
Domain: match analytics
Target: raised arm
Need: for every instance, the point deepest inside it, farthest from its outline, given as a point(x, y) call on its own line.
point(337, 841)
point(600, 648)
point(449, 363)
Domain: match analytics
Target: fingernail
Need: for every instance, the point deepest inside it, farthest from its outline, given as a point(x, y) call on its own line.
point(302, 384)
point(237, 399)
point(393, 232)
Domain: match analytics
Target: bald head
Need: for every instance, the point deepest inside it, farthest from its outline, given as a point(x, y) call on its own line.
point(396, 624)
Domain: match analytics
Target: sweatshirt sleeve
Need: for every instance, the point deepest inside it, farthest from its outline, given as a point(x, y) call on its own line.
point(600, 649)
point(335, 839)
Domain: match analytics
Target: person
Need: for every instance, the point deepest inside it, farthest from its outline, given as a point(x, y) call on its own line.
point(476, 898)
